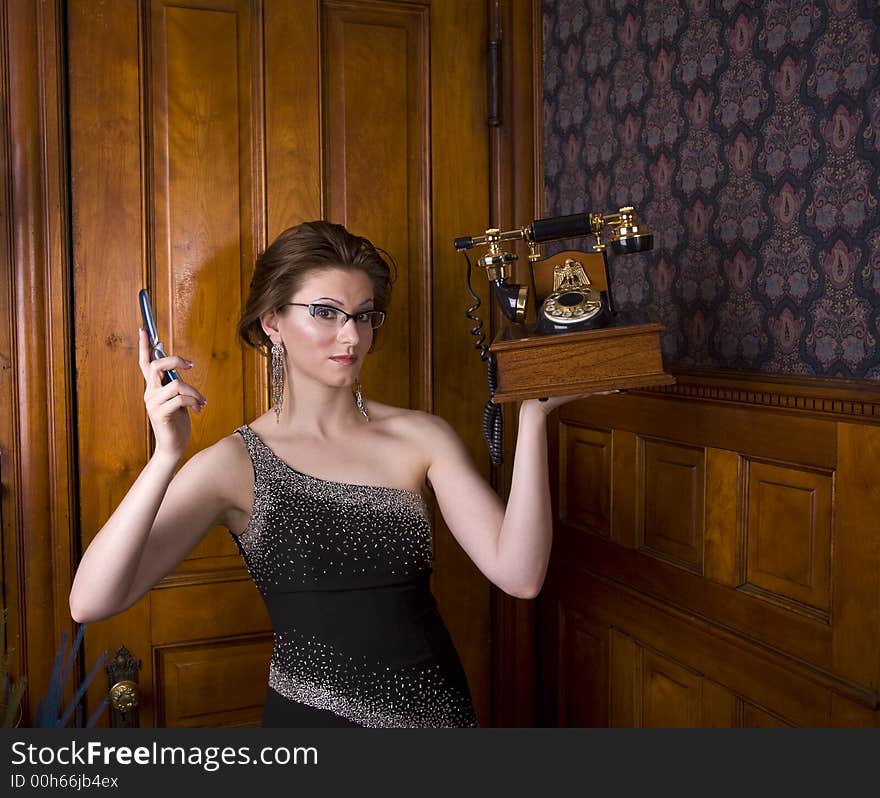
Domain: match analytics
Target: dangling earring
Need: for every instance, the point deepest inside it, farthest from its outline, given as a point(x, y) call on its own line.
point(277, 379)
point(359, 399)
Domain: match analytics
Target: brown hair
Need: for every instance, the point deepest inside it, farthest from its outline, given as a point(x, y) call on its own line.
point(281, 268)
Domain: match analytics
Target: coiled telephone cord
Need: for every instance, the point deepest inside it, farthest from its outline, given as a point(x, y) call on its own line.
point(493, 421)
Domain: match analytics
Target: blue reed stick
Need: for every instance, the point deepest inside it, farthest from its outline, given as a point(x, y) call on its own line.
point(83, 687)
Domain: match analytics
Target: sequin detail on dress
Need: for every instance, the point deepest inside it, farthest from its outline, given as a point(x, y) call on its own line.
point(367, 692)
point(344, 570)
point(339, 534)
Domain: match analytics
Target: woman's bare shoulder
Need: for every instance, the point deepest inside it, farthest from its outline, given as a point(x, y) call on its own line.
point(423, 430)
point(229, 451)
point(226, 463)
point(226, 466)
point(404, 417)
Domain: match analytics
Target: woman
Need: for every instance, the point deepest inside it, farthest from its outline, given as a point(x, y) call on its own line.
point(324, 496)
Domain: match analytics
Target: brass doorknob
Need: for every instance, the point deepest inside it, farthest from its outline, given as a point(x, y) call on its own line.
point(124, 695)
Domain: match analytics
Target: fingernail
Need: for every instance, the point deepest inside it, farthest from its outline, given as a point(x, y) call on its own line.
point(204, 401)
point(190, 363)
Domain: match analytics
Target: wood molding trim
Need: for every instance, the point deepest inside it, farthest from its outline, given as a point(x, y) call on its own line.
point(36, 446)
point(515, 185)
point(841, 400)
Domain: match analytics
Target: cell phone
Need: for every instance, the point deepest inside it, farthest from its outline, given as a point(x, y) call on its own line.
point(156, 346)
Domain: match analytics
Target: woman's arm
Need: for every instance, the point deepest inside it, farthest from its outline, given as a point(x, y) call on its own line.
point(511, 545)
point(161, 519)
point(523, 547)
point(107, 567)
point(186, 504)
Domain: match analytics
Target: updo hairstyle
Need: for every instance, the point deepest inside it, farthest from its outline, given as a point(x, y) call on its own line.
point(283, 266)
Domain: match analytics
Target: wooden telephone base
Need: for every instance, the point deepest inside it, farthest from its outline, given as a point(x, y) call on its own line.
point(616, 357)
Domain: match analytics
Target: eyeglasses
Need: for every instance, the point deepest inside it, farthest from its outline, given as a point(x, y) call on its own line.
point(328, 316)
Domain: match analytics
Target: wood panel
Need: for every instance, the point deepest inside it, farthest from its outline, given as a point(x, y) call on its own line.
point(719, 708)
point(375, 100)
point(108, 181)
point(624, 677)
point(666, 670)
point(163, 183)
point(670, 693)
point(671, 504)
point(801, 634)
point(846, 713)
point(197, 612)
point(37, 468)
point(292, 136)
point(797, 661)
point(856, 565)
point(723, 543)
point(585, 489)
point(794, 624)
point(193, 683)
point(459, 164)
point(202, 216)
point(583, 671)
point(652, 689)
point(788, 536)
point(201, 175)
point(624, 488)
point(776, 624)
point(757, 430)
point(514, 174)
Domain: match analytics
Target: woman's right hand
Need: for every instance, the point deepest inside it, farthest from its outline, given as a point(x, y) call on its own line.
point(166, 404)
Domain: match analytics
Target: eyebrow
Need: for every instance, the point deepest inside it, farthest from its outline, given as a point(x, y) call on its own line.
point(331, 299)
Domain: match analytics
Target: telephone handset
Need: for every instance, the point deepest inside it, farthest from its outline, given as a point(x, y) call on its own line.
point(576, 302)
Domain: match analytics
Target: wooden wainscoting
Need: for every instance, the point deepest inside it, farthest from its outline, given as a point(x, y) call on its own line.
point(716, 560)
point(193, 682)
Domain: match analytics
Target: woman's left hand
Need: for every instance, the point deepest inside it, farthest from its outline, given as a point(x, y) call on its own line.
point(551, 403)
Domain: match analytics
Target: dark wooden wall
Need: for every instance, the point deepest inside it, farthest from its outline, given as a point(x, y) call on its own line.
point(716, 559)
point(158, 143)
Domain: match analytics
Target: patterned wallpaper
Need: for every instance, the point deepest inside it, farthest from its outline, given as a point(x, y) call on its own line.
point(747, 135)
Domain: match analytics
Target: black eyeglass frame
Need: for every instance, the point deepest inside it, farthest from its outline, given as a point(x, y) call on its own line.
point(313, 306)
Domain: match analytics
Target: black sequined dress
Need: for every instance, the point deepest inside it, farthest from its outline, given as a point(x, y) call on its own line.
point(344, 570)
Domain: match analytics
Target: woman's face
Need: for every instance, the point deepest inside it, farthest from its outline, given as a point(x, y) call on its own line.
point(312, 341)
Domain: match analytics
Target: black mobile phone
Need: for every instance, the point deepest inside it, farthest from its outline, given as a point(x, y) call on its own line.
point(156, 348)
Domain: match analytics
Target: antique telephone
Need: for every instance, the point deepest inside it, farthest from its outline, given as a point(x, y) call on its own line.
point(575, 303)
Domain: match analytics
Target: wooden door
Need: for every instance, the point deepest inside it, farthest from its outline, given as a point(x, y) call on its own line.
point(198, 131)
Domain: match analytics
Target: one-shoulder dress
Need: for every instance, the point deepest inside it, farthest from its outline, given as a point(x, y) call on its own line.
point(344, 570)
